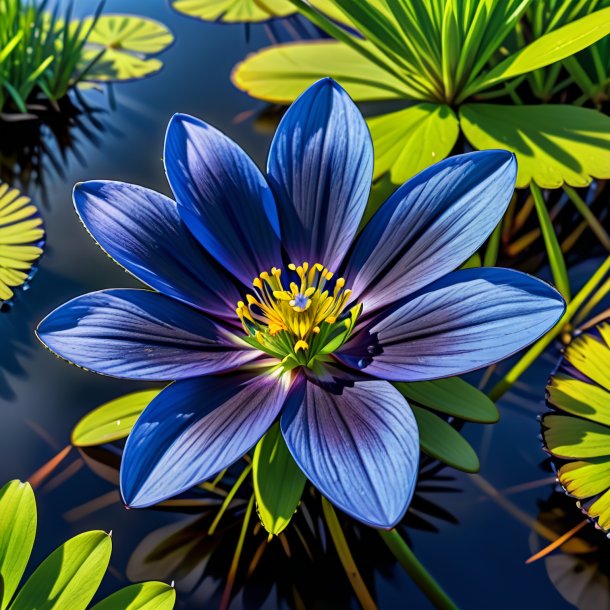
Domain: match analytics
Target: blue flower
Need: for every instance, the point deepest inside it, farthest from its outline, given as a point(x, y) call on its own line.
point(266, 302)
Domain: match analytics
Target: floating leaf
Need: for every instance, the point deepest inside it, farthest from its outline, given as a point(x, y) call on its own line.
point(441, 441)
point(111, 421)
point(118, 66)
point(17, 532)
point(142, 596)
point(281, 73)
point(234, 11)
point(278, 481)
point(21, 239)
point(130, 33)
point(553, 143)
point(452, 396)
point(409, 140)
point(68, 577)
point(577, 432)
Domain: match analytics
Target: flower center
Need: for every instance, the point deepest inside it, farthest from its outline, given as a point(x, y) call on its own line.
point(300, 320)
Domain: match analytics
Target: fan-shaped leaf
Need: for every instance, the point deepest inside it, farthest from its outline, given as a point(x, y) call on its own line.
point(572, 437)
point(21, 239)
point(409, 140)
point(118, 66)
point(17, 532)
point(553, 143)
point(234, 11)
point(111, 421)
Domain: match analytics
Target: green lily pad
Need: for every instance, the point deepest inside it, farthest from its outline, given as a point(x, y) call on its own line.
point(115, 66)
point(555, 144)
point(21, 239)
point(234, 11)
point(409, 140)
point(111, 421)
point(577, 432)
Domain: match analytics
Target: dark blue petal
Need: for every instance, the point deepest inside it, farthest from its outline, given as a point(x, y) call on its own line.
point(194, 429)
point(142, 231)
point(320, 168)
point(138, 334)
point(465, 321)
point(360, 448)
point(222, 197)
point(430, 226)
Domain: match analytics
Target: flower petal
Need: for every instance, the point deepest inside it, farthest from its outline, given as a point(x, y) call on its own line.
point(222, 197)
point(320, 168)
point(465, 321)
point(138, 334)
point(430, 226)
point(194, 429)
point(142, 231)
point(360, 447)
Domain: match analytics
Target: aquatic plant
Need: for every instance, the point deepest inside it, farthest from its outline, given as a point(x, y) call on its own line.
point(310, 348)
point(577, 432)
point(71, 575)
point(22, 239)
point(445, 58)
point(44, 55)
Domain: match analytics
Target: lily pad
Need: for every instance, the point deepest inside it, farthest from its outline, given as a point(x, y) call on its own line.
point(577, 432)
point(234, 11)
point(21, 240)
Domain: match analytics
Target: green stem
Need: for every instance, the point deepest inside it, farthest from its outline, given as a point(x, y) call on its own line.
point(587, 214)
point(422, 578)
point(526, 360)
point(229, 498)
point(345, 555)
point(493, 247)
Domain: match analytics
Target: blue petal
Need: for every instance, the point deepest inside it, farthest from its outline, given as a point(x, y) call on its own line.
point(222, 197)
point(138, 334)
point(194, 429)
point(360, 448)
point(465, 321)
point(320, 168)
point(430, 226)
point(142, 231)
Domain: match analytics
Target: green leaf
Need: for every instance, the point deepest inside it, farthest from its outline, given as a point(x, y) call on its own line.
point(546, 50)
point(234, 11)
point(17, 532)
point(278, 481)
point(128, 33)
point(584, 479)
point(452, 396)
point(580, 398)
point(441, 441)
point(143, 596)
point(111, 421)
point(551, 243)
point(554, 144)
point(281, 73)
point(591, 356)
point(572, 437)
point(117, 66)
point(409, 140)
point(68, 577)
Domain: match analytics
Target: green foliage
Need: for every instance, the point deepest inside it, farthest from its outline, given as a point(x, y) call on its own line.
point(438, 56)
point(21, 240)
point(70, 576)
point(577, 431)
point(278, 481)
point(45, 53)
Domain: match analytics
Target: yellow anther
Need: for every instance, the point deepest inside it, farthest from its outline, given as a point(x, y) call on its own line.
point(315, 330)
point(300, 345)
point(331, 320)
point(257, 283)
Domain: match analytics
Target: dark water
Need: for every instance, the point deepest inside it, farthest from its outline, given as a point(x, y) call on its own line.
point(480, 561)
